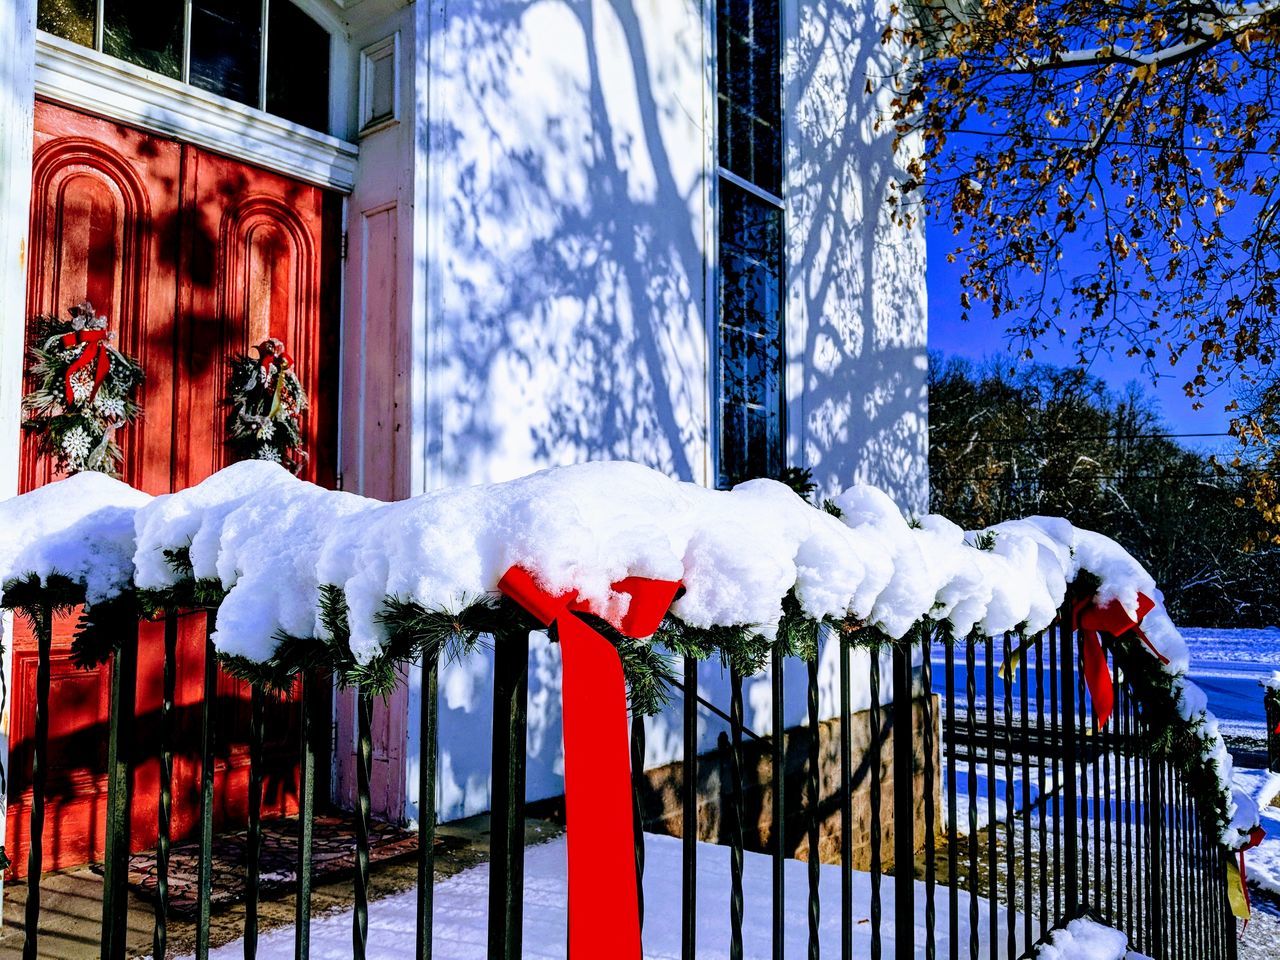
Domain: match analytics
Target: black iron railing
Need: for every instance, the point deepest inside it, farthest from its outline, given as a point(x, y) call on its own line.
point(1024, 814)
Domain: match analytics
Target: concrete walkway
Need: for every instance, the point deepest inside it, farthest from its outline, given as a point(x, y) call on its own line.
point(71, 902)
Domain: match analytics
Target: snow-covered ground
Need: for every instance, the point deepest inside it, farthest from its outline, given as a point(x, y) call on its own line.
point(1229, 665)
point(1261, 940)
point(461, 911)
point(1263, 861)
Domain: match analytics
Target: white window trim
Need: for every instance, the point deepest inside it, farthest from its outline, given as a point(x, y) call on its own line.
point(388, 46)
point(80, 77)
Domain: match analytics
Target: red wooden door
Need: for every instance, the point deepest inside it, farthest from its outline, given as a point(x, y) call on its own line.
point(193, 257)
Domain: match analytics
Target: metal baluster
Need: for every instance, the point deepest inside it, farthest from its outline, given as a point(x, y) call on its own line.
point(164, 812)
point(930, 814)
point(1155, 858)
point(1149, 938)
point(1099, 764)
point(739, 815)
point(1107, 746)
point(1028, 897)
point(953, 828)
point(779, 808)
point(1011, 871)
point(993, 877)
point(364, 761)
point(1059, 767)
point(308, 697)
point(689, 829)
point(115, 875)
point(904, 873)
point(42, 616)
point(510, 732)
point(204, 881)
point(875, 756)
point(1125, 904)
point(1176, 916)
point(428, 748)
point(811, 808)
point(638, 784)
point(253, 838)
point(971, 712)
point(846, 805)
point(1040, 783)
point(1177, 837)
point(1140, 814)
point(1069, 808)
point(1086, 719)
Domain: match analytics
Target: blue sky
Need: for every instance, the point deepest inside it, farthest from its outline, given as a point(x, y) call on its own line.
point(981, 337)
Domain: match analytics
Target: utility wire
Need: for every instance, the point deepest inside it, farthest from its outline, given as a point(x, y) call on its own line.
point(1071, 436)
point(1085, 141)
point(1048, 481)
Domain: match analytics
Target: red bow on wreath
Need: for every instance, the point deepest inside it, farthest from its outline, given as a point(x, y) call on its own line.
point(95, 354)
point(1114, 620)
point(272, 351)
point(604, 916)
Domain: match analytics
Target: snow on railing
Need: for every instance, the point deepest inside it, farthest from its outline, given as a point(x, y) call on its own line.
point(298, 577)
point(274, 546)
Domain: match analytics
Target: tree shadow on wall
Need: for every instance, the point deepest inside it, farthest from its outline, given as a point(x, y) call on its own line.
point(569, 241)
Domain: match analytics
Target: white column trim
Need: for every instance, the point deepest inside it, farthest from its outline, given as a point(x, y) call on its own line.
point(17, 105)
point(80, 77)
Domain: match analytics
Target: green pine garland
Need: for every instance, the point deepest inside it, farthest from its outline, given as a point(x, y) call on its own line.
point(414, 632)
point(79, 434)
point(266, 402)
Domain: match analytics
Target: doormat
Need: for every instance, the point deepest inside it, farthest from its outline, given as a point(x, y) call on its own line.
point(333, 855)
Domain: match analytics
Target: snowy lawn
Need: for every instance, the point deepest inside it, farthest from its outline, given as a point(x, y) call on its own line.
point(1263, 862)
point(461, 911)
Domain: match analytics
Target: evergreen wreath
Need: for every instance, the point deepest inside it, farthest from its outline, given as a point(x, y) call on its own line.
point(84, 391)
point(267, 401)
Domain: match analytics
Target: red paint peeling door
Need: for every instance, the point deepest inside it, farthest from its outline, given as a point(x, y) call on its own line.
point(193, 257)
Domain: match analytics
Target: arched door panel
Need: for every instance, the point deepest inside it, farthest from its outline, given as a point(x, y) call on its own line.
point(193, 257)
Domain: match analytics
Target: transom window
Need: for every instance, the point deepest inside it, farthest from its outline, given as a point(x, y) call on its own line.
point(750, 330)
point(265, 53)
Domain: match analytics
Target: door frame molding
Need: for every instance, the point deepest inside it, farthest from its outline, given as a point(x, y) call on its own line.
point(81, 78)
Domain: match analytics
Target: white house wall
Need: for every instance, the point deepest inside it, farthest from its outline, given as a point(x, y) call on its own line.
point(565, 264)
point(566, 237)
point(565, 156)
point(856, 305)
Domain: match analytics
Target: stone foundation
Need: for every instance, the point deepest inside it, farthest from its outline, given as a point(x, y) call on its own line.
point(662, 805)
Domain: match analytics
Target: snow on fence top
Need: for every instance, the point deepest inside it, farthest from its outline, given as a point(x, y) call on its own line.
point(274, 543)
point(80, 529)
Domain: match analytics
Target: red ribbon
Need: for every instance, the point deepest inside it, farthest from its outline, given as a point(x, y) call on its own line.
point(95, 353)
point(1114, 620)
point(1256, 836)
point(268, 358)
point(604, 915)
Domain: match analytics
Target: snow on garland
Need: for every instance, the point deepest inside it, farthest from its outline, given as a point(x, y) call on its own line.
point(266, 400)
point(306, 576)
point(1086, 939)
point(84, 392)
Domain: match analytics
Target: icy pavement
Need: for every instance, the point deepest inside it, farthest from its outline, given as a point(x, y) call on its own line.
point(461, 910)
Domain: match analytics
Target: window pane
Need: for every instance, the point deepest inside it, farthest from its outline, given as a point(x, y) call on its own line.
point(145, 32)
point(297, 67)
point(749, 90)
point(226, 43)
point(69, 19)
point(750, 345)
